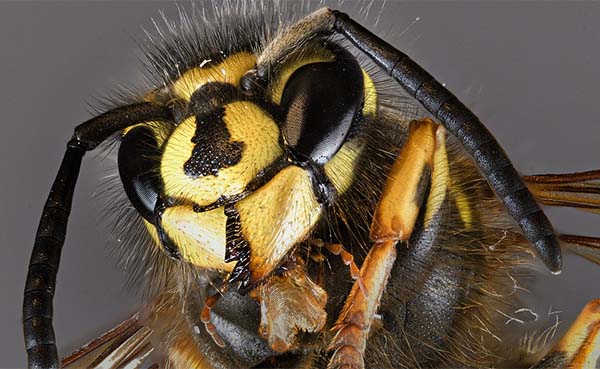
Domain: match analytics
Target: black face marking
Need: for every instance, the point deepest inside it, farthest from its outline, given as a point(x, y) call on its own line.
point(237, 248)
point(323, 189)
point(213, 151)
point(212, 95)
point(169, 246)
point(262, 178)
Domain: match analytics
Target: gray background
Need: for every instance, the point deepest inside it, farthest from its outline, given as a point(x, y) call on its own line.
point(530, 70)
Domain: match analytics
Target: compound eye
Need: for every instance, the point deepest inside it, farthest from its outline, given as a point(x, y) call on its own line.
point(139, 163)
point(320, 102)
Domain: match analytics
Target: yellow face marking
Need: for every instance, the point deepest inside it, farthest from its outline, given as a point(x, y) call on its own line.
point(293, 65)
point(397, 211)
point(152, 231)
point(200, 237)
point(276, 217)
point(246, 123)
point(229, 71)
point(370, 104)
point(440, 177)
point(127, 129)
point(341, 167)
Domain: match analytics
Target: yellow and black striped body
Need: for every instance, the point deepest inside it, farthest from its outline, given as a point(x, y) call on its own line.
point(242, 195)
point(265, 163)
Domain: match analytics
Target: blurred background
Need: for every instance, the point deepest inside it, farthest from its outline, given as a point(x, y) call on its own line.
point(528, 69)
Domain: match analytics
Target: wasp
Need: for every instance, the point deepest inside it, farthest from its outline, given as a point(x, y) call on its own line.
point(291, 214)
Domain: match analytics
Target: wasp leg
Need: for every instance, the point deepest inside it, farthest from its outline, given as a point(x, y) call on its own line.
point(50, 237)
point(338, 249)
point(406, 186)
point(393, 221)
point(126, 344)
point(477, 140)
point(579, 348)
point(128, 351)
point(209, 303)
point(575, 190)
point(354, 323)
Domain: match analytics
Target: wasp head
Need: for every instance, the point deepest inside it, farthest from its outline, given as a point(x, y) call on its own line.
point(238, 179)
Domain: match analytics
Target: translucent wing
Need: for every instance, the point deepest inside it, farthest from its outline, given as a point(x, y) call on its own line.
point(126, 346)
point(580, 347)
point(576, 190)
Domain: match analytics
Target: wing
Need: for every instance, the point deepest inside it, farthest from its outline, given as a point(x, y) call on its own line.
point(575, 190)
point(580, 347)
point(126, 346)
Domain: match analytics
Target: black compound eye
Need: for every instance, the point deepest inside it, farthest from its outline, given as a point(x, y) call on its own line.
point(139, 163)
point(320, 102)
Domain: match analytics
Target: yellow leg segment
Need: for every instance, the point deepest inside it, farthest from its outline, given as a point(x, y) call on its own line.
point(402, 196)
point(354, 323)
point(394, 220)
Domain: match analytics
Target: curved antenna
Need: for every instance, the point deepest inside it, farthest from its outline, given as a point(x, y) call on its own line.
point(50, 237)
